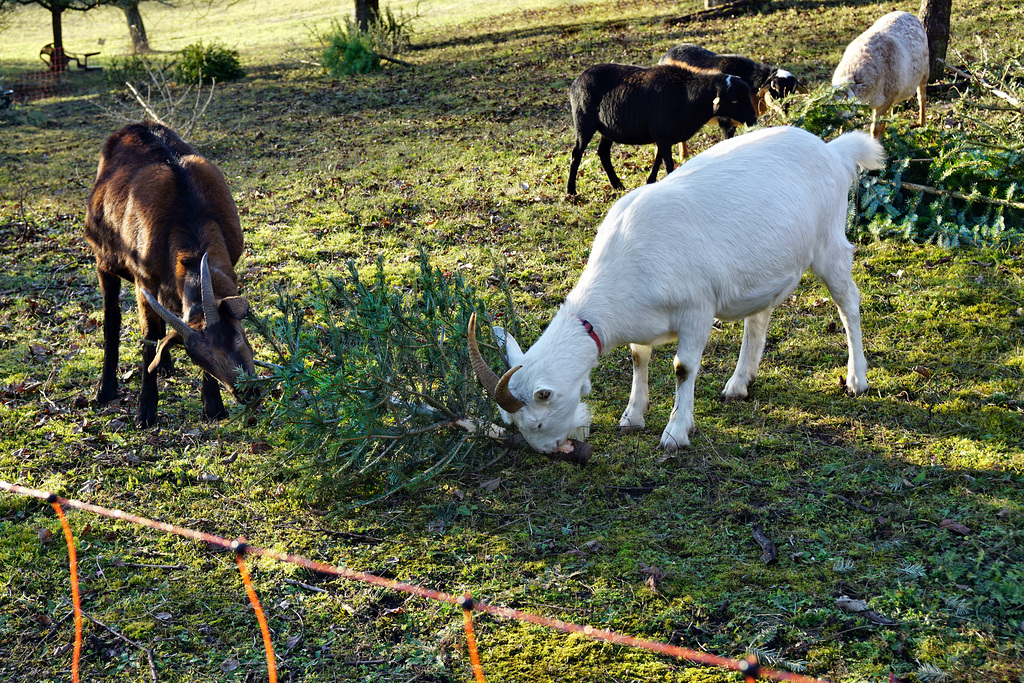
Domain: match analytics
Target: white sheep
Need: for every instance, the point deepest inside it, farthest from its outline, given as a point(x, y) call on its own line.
point(671, 257)
point(885, 65)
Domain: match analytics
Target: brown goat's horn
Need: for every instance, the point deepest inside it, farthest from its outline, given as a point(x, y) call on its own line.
point(176, 323)
point(210, 312)
point(497, 387)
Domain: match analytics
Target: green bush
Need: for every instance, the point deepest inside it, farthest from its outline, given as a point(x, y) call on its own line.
point(347, 50)
point(350, 50)
point(207, 63)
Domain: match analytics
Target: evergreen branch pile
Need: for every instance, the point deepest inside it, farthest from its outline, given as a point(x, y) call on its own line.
point(371, 380)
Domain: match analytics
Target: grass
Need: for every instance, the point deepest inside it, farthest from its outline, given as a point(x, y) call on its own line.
point(852, 491)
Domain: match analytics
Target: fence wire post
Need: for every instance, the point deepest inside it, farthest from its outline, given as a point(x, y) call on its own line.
point(76, 598)
point(467, 604)
point(239, 548)
point(750, 668)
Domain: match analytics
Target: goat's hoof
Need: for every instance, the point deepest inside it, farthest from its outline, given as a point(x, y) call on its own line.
point(671, 443)
point(105, 397)
point(626, 430)
point(146, 419)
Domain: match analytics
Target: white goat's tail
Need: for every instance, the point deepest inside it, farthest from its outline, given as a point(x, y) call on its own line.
point(860, 148)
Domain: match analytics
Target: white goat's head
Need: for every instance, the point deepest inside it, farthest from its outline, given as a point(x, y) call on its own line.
point(547, 410)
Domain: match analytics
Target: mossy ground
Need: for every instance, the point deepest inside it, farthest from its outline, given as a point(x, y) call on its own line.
point(465, 155)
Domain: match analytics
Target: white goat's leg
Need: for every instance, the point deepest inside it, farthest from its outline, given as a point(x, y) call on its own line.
point(755, 331)
point(632, 419)
point(692, 338)
point(922, 101)
point(878, 123)
point(835, 273)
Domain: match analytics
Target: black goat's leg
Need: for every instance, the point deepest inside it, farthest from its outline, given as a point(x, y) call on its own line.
point(110, 287)
point(582, 140)
point(604, 153)
point(664, 155)
point(728, 127)
point(153, 328)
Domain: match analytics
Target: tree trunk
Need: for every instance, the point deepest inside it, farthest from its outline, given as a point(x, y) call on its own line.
point(57, 61)
point(367, 12)
point(934, 14)
point(137, 30)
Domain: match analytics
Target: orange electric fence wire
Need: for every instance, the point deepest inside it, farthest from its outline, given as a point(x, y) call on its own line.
point(474, 656)
point(750, 669)
point(75, 597)
point(240, 549)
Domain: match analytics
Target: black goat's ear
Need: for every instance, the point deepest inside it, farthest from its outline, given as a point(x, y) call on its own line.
point(734, 89)
point(236, 307)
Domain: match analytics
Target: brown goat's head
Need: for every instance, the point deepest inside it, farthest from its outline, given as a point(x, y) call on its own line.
point(220, 347)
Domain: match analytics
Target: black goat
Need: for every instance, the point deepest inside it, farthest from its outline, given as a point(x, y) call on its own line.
point(635, 105)
point(765, 81)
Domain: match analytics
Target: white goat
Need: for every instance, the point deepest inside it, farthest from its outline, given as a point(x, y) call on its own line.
point(885, 65)
point(672, 256)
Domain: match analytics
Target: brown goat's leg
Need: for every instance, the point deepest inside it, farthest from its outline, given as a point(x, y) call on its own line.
point(604, 153)
point(213, 405)
point(153, 328)
point(110, 287)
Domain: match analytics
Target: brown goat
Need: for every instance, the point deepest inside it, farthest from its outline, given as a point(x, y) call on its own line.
point(161, 216)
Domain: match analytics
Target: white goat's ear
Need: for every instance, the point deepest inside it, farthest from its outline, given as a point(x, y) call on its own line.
point(513, 354)
point(542, 394)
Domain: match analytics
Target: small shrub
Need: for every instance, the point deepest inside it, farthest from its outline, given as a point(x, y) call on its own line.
point(350, 50)
point(391, 35)
point(208, 63)
point(135, 69)
point(347, 50)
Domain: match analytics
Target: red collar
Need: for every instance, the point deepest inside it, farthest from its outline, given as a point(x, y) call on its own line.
point(590, 330)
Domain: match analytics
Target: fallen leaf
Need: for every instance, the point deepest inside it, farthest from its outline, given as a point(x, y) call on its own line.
point(291, 641)
point(862, 609)
point(45, 535)
point(208, 476)
point(491, 484)
point(164, 616)
point(852, 606)
point(654, 576)
point(923, 371)
point(955, 527)
point(229, 664)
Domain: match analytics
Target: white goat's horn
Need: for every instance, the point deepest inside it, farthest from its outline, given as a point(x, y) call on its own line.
point(497, 387)
point(176, 323)
point(210, 311)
